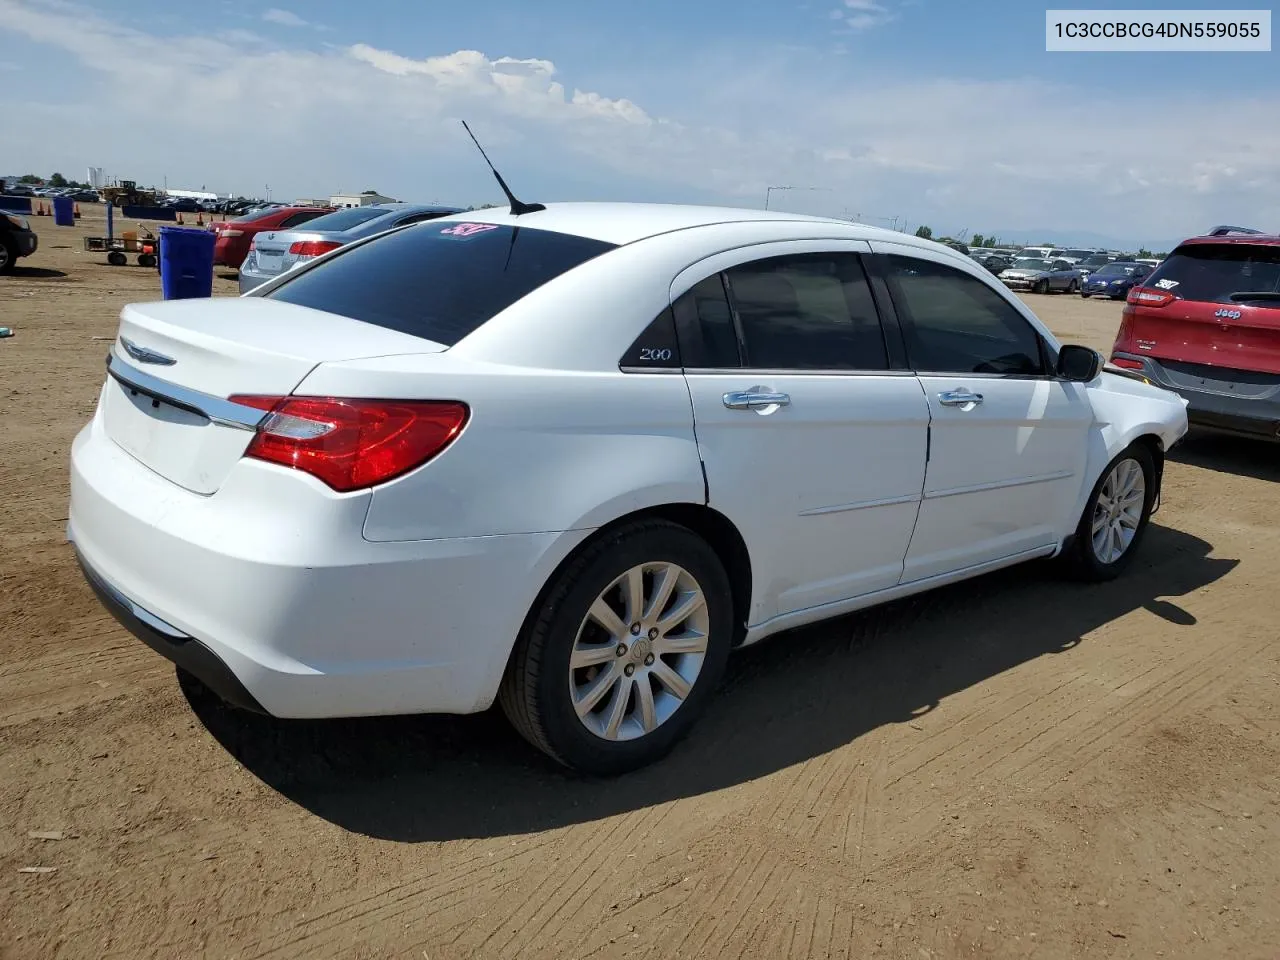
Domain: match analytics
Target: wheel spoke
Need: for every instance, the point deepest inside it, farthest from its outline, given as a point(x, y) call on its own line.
point(1128, 521)
point(633, 593)
point(587, 699)
point(646, 709)
point(1117, 542)
point(681, 643)
point(667, 676)
point(685, 607)
point(618, 708)
point(592, 655)
point(663, 586)
point(604, 615)
point(1099, 520)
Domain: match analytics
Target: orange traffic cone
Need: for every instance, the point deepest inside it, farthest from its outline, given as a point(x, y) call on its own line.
point(179, 219)
point(199, 219)
point(77, 211)
point(39, 209)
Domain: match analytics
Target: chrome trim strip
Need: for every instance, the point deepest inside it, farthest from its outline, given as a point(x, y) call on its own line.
point(150, 619)
point(215, 409)
point(999, 485)
point(861, 505)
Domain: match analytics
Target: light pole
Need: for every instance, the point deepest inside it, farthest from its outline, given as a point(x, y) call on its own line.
point(768, 192)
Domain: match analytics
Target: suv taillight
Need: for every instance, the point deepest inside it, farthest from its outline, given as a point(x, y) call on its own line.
point(312, 248)
point(1149, 297)
point(353, 444)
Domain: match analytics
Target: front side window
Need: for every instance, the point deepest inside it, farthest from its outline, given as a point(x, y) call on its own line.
point(955, 323)
point(807, 312)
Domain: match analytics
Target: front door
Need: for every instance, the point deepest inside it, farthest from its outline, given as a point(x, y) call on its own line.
point(813, 447)
point(1008, 439)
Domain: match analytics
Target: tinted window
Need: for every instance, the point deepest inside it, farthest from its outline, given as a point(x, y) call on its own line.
point(297, 218)
point(955, 323)
point(656, 348)
point(1121, 270)
point(813, 311)
point(1214, 272)
point(419, 217)
point(707, 335)
point(256, 215)
point(438, 281)
point(348, 218)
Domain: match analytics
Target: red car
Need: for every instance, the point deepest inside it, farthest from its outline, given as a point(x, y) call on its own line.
point(234, 236)
point(1206, 324)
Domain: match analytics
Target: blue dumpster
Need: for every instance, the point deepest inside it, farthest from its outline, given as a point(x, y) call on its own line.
point(186, 263)
point(64, 212)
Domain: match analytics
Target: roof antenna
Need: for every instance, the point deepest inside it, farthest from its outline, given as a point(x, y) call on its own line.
point(517, 207)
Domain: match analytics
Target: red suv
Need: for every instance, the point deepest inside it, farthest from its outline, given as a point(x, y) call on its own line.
point(234, 236)
point(1206, 324)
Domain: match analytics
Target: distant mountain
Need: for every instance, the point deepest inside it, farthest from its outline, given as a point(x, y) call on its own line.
point(1086, 238)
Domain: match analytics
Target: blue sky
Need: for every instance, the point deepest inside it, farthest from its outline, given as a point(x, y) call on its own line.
point(941, 111)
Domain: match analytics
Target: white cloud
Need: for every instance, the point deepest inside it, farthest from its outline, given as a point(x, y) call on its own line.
point(860, 15)
point(285, 18)
point(951, 152)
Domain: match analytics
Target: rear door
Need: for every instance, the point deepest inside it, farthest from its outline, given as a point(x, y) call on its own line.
point(1008, 439)
point(813, 439)
point(1211, 319)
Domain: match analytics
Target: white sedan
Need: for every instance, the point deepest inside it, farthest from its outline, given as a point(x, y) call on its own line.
point(569, 459)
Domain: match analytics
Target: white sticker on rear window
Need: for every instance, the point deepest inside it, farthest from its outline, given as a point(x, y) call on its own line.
point(1166, 284)
point(464, 230)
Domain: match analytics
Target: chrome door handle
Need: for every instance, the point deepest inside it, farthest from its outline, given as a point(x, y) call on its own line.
point(959, 398)
point(755, 399)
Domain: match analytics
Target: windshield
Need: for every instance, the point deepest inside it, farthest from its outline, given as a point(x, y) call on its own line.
point(348, 218)
point(1214, 272)
point(1077, 254)
point(1031, 263)
point(438, 281)
point(1098, 260)
point(1118, 270)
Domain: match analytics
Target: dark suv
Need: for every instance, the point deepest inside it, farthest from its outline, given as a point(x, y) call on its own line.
point(1206, 324)
point(17, 239)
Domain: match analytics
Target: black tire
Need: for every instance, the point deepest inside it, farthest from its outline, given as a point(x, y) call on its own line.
point(8, 256)
point(1082, 560)
point(146, 260)
point(1073, 286)
point(1085, 296)
point(1040, 286)
point(535, 693)
point(117, 259)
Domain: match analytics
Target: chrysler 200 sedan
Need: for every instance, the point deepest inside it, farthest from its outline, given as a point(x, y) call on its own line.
point(569, 459)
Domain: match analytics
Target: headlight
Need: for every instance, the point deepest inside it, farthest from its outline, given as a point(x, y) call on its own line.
point(17, 221)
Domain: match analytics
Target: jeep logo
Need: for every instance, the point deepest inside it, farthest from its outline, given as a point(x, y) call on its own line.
point(1227, 314)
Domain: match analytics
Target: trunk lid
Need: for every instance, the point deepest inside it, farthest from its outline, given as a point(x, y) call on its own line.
point(271, 248)
point(174, 364)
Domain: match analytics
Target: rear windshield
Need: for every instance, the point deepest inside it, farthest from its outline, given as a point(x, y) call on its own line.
point(1119, 270)
point(348, 218)
point(439, 281)
point(256, 215)
point(1214, 272)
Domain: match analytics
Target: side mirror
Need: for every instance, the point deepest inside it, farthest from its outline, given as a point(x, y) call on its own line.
point(1079, 364)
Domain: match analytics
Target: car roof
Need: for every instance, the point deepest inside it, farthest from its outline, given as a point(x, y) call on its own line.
point(1255, 240)
point(623, 223)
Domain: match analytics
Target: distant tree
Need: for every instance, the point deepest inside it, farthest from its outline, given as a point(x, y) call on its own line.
point(978, 240)
point(57, 180)
point(924, 231)
point(28, 178)
point(1144, 253)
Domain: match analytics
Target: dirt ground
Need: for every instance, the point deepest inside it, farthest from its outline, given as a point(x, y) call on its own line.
point(1015, 767)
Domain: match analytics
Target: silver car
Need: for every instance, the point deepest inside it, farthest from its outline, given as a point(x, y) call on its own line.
point(1041, 276)
point(272, 253)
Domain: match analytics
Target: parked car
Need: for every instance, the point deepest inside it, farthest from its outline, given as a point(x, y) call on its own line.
point(1041, 276)
point(1094, 262)
point(1114, 280)
point(235, 236)
point(1206, 323)
point(17, 240)
point(1035, 253)
point(996, 263)
point(273, 253)
point(567, 459)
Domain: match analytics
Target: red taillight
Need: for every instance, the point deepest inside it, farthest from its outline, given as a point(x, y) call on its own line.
point(312, 248)
point(353, 444)
point(228, 232)
point(1126, 363)
point(1149, 297)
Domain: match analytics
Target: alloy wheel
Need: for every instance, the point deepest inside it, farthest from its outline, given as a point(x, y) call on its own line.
point(639, 651)
point(1118, 511)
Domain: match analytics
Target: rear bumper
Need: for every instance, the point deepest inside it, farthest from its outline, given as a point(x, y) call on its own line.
point(1210, 407)
point(250, 280)
point(267, 591)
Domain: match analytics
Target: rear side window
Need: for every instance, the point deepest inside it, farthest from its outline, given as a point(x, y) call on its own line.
point(812, 311)
point(1213, 272)
point(348, 218)
point(438, 281)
